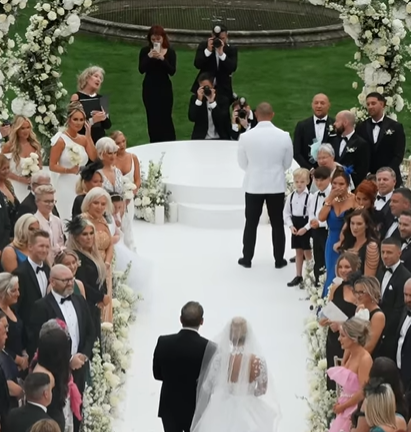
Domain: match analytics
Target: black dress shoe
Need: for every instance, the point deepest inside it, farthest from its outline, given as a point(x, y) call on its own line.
point(280, 264)
point(243, 262)
point(292, 260)
point(296, 281)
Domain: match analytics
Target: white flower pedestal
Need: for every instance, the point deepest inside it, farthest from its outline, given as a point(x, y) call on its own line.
point(159, 215)
point(173, 212)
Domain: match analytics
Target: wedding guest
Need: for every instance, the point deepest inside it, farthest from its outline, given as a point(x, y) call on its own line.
point(4, 390)
point(28, 205)
point(112, 176)
point(6, 189)
point(313, 129)
point(45, 426)
point(404, 227)
point(88, 85)
point(264, 182)
point(218, 60)
point(158, 62)
point(209, 111)
point(177, 363)
point(386, 184)
point(48, 222)
point(21, 144)
point(69, 152)
point(33, 275)
point(6, 231)
point(319, 232)
point(71, 260)
point(338, 202)
point(384, 135)
point(353, 374)
point(368, 295)
point(38, 389)
point(365, 195)
point(341, 294)
point(296, 210)
point(400, 201)
point(392, 277)
point(350, 149)
point(18, 250)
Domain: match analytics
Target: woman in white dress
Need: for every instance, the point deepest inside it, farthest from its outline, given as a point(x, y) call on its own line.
point(235, 392)
point(22, 142)
point(69, 152)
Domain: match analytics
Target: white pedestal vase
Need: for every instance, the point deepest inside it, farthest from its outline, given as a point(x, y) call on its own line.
point(159, 215)
point(173, 212)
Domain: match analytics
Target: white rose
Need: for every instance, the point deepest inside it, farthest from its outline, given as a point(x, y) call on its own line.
point(55, 74)
point(23, 5)
point(73, 22)
point(399, 103)
point(47, 40)
point(361, 98)
point(60, 11)
point(357, 56)
point(380, 90)
point(68, 4)
point(354, 85)
point(396, 40)
point(46, 7)
point(52, 16)
point(382, 50)
point(368, 34)
point(3, 18)
point(60, 49)
point(42, 109)
point(87, 3)
point(43, 77)
point(7, 8)
point(38, 66)
point(354, 19)
point(401, 78)
point(71, 40)
point(11, 44)
point(46, 120)
point(389, 101)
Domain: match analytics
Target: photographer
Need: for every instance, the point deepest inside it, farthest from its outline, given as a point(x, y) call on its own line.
point(242, 118)
point(209, 111)
point(219, 59)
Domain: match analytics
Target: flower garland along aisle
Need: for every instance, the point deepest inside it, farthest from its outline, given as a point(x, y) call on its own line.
point(8, 12)
point(378, 28)
point(108, 372)
point(152, 193)
point(320, 400)
point(37, 79)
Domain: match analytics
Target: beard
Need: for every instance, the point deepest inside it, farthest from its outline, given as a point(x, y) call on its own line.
point(340, 130)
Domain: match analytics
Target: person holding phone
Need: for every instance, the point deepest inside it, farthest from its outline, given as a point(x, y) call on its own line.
point(158, 62)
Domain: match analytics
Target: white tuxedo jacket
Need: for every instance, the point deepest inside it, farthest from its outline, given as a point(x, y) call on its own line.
point(265, 153)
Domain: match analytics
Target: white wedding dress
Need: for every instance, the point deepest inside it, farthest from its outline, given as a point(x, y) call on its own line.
point(65, 184)
point(21, 190)
point(127, 222)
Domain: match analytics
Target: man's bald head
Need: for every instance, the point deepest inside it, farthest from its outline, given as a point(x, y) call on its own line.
point(320, 105)
point(264, 112)
point(344, 122)
point(60, 271)
point(347, 116)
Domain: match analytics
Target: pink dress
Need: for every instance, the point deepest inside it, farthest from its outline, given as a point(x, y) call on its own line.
point(348, 380)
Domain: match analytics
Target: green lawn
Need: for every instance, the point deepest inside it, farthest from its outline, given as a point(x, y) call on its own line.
point(286, 78)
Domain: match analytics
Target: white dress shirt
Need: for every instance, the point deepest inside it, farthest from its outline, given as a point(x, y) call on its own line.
point(343, 143)
point(403, 333)
point(211, 131)
point(319, 128)
point(38, 405)
point(265, 153)
point(387, 276)
point(379, 203)
point(71, 319)
point(317, 203)
point(41, 276)
point(392, 228)
point(376, 129)
point(300, 207)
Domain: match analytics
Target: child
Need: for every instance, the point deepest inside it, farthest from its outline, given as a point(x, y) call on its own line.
point(296, 217)
point(319, 233)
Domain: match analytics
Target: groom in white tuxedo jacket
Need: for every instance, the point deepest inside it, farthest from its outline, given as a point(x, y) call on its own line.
point(264, 153)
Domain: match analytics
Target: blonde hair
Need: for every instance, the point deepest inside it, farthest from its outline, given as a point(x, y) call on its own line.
point(73, 107)
point(357, 329)
point(380, 407)
point(238, 330)
point(44, 190)
point(7, 283)
point(302, 173)
point(86, 74)
point(45, 426)
point(3, 161)
point(114, 135)
point(22, 230)
point(371, 286)
point(95, 194)
point(14, 143)
point(59, 258)
point(105, 145)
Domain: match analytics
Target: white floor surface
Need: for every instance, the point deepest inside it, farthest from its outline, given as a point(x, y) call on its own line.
point(198, 264)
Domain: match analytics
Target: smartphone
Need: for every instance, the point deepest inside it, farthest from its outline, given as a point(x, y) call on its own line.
point(157, 46)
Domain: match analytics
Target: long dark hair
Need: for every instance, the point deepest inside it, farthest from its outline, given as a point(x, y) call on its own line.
point(370, 231)
point(54, 354)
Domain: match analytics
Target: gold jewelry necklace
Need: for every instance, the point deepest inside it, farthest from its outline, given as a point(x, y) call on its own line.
point(341, 199)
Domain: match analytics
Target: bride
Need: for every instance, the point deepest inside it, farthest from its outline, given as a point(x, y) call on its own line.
point(235, 392)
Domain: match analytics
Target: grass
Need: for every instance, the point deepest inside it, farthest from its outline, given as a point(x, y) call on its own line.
point(287, 79)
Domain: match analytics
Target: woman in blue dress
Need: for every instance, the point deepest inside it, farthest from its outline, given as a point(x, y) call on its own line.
point(333, 212)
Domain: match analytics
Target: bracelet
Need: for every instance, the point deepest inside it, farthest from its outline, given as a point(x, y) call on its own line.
point(327, 204)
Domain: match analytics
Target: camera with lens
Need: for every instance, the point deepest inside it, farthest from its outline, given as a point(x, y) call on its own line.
point(217, 43)
point(241, 111)
point(207, 91)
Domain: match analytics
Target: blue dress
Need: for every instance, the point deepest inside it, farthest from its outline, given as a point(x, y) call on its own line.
point(335, 224)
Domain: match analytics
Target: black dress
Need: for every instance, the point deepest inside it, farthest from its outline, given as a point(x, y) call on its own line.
point(158, 94)
point(376, 351)
point(78, 202)
point(333, 346)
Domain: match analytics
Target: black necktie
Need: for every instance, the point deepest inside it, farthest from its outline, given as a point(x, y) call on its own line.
point(68, 298)
point(322, 194)
point(374, 124)
point(379, 197)
point(39, 269)
point(318, 121)
point(388, 269)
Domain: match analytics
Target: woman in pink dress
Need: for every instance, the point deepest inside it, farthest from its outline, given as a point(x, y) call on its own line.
point(353, 374)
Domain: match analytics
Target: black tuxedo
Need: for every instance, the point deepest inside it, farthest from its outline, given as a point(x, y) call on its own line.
point(28, 205)
point(30, 291)
point(23, 418)
point(5, 402)
point(304, 134)
point(199, 116)
point(392, 304)
point(405, 371)
point(5, 225)
point(356, 154)
point(386, 217)
point(406, 256)
point(389, 149)
point(221, 72)
point(177, 363)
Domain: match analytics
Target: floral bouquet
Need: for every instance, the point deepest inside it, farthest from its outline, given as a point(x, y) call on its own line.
point(30, 165)
point(74, 154)
point(128, 188)
point(289, 182)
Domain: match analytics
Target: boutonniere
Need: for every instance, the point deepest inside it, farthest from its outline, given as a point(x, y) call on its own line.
point(331, 129)
point(351, 150)
point(389, 132)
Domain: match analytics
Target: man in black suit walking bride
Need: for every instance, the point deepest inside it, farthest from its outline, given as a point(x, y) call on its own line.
point(177, 363)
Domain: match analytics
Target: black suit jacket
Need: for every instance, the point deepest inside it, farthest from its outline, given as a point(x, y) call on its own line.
point(356, 154)
point(177, 363)
point(304, 134)
point(28, 205)
point(5, 225)
point(235, 134)
point(23, 418)
point(389, 149)
point(222, 73)
point(386, 217)
point(406, 256)
point(199, 116)
point(405, 371)
point(392, 304)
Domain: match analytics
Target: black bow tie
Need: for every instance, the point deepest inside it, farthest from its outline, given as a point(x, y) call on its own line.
point(39, 269)
point(379, 197)
point(322, 194)
point(345, 139)
point(68, 298)
point(374, 124)
point(388, 269)
point(318, 121)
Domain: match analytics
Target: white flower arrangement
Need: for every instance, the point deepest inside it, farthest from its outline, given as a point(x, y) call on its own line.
point(30, 165)
point(289, 182)
point(152, 193)
point(74, 151)
point(128, 188)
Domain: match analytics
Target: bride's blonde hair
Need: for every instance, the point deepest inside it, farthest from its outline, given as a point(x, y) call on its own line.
point(238, 330)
